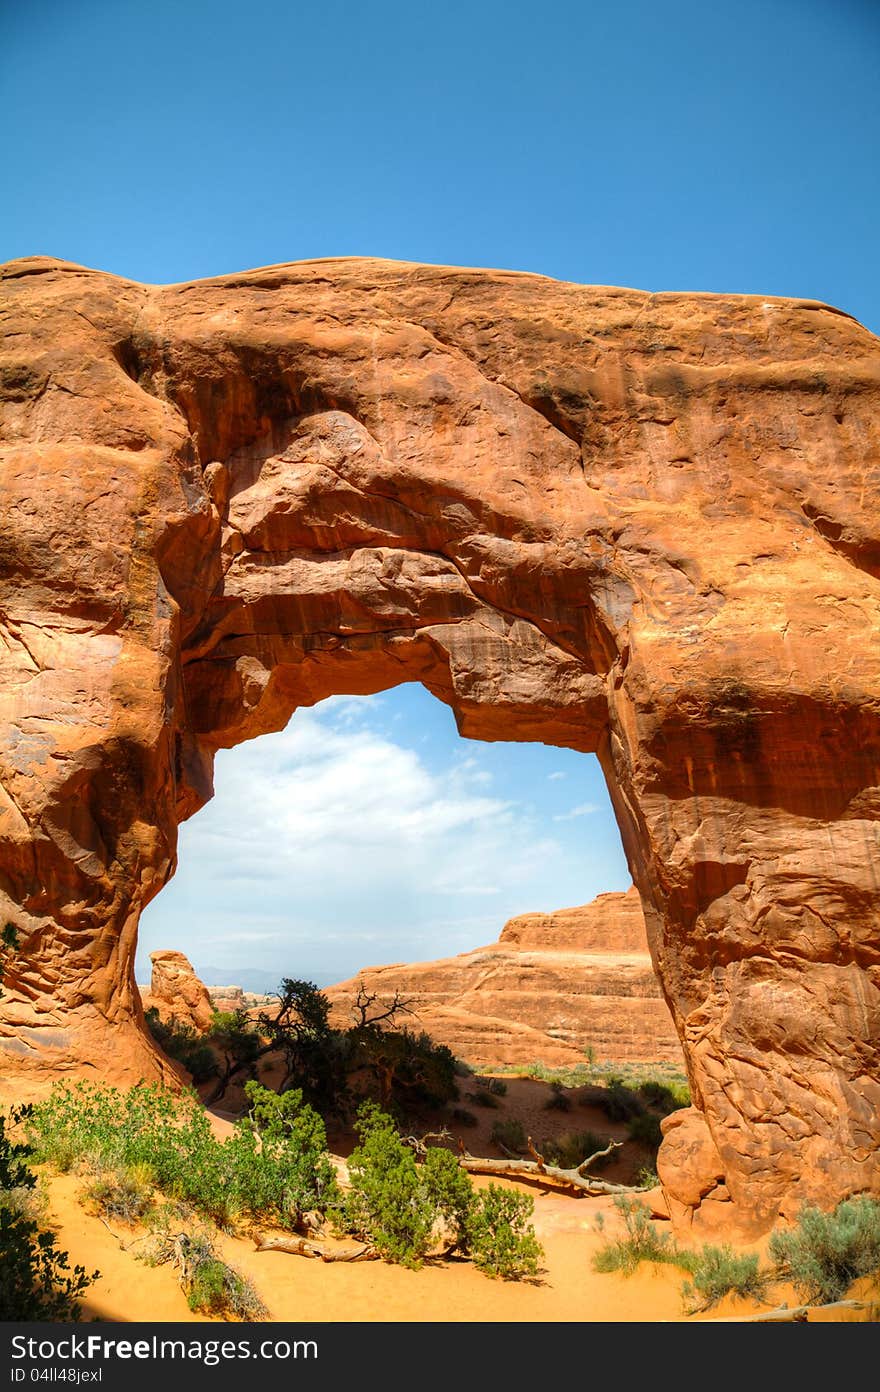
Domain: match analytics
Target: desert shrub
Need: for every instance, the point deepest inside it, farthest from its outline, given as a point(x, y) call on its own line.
point(269, 1167)
point(664, 1097)
point(406, 1068)
point(8, 947)
point(211, 1285)
point(483, 1099)
point(181, 1042)
point(36, 1278)
point(32, 1203)
point(719, 1271)
point(279, 1153)
point(240, 1046)
point(464, 1117)
point(619, 1102)
point(573, 1077)
point(147, 1126)
point(402, 1208)
point(500, 1238)
point(15, 1173)
point(647, 1177)
point(645, 1129)
point(386, 1203)
point(826, 1252)
point(449, 1193)
point(643, 1242)
point(510, 1134)
point(558, 1101)
point(125, 1194)
point(217, 1288)
point(497, 1087)
point(571, 1149)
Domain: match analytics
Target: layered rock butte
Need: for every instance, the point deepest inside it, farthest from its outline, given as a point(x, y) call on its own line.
point(644, 525)
point(551, 987)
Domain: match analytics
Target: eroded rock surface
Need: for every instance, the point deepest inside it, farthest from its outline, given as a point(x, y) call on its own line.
point(553, 986)
point(177, 993)
point(639, 524)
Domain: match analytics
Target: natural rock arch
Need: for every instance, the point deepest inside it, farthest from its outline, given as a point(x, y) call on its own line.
point(644, 525)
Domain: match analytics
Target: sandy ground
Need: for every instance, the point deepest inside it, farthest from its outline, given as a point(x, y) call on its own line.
point(297, 1289)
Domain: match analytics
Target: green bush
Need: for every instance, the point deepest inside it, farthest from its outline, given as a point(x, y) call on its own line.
point(645, 1129)
point(483, 1099)
point(181, 1042)
point(500, 1238)
point(402, 1209)
point(664, 1097)
point(497, 1087)
point(643, 1241)
point(510, 1134)
point(281, 1165)
point(273, 1165)
point(559, 1100)
point(449, 1194)
point(719, 1271)
point(619, 1102)
point(36, 1279)
point(827, 1252)
point(464, 1117)
point(386, 1205)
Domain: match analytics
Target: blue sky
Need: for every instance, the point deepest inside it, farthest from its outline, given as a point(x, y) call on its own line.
point(685, 146)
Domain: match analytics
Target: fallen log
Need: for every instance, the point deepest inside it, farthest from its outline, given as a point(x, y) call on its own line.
point(794, 1314)
point(538, 1169)
point(301, 1247)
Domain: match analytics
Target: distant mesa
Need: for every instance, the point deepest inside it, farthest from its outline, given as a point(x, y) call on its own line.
point(552, 987)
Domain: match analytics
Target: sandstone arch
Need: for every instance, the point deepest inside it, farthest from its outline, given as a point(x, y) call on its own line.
point(645, 525)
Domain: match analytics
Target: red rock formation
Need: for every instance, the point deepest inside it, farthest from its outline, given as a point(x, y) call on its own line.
point(177, 993)
point(552, 986)
point(644, 525)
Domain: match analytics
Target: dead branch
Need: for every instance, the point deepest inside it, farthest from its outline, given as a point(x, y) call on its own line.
point(301, 1247)
point(365, 999)
point(419, 1144)
point(797, 1314)
point(123, 1246)
point(537, 1168)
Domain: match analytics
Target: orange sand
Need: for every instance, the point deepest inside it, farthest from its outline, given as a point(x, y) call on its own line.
point(296, 1289)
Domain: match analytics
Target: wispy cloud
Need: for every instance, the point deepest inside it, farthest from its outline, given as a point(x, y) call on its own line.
point(554, 777)
point(583, 809)
point(332, 831)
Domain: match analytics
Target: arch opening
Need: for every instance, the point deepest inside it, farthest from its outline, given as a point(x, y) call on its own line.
point(368, 832)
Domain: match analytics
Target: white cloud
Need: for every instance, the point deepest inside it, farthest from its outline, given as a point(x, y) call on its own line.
point(553, 777)
point(583, 809)
point(331, 832)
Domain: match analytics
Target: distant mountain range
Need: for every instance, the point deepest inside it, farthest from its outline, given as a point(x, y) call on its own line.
point(255, 978)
